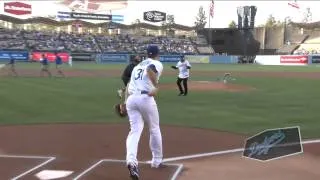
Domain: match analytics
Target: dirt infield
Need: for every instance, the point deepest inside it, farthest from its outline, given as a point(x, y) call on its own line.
point(78, 147)
point(233, 166)
point(209, 86)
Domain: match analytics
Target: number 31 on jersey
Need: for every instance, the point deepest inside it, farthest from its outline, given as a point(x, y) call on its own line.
point(139, 74)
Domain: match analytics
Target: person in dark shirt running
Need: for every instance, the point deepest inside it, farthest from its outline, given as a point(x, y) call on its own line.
point(12, 67)
point(126, 75)
point(44, 66)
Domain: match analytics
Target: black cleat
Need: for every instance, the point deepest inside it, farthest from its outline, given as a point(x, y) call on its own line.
point(134, 173)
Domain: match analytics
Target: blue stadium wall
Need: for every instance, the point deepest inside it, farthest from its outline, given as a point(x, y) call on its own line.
point(24, 56)
point(125, 58)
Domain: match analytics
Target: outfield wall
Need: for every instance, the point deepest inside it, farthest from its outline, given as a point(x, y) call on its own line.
point(17, 55)
point(203, 59)
point(285, 60)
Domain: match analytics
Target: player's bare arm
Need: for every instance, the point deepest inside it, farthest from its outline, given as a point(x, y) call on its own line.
point(126, 94)
point(123, 104)
point(153, 76)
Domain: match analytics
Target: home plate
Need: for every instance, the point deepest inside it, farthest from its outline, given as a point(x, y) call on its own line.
point(53, 174)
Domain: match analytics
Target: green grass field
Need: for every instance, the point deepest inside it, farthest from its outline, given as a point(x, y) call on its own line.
point(277, 102)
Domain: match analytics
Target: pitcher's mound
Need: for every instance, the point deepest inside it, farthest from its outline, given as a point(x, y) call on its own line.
point(209, 86)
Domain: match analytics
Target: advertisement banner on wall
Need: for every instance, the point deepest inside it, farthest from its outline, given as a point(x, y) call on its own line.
point(315, 59)
point(197, 59)
point(17, 8)
point(154, 16)
point(105, 17)
point(223, 59)
point(36, 56)
point(17, 55)
point(267, 60)
point(94, 6)
point(294, 60)
point(83, 56)
point(170, 58)
point(67, 15)
point(122, 58)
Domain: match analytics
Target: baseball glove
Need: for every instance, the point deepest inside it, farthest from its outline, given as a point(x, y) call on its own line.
point(121, 110)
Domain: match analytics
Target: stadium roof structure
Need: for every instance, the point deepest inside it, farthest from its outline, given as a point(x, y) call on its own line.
point(48, 21)
point(313, 25)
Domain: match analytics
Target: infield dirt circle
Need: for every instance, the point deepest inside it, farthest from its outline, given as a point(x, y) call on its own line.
point(27, 150)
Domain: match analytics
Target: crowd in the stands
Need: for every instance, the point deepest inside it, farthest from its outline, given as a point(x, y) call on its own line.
point(87, 42)
point(306, 52)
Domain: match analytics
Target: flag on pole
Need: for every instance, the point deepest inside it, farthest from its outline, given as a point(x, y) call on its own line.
point(212, 8)
point(294, 4)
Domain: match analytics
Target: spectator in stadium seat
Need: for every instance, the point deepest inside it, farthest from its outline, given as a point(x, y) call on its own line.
point(87, 42)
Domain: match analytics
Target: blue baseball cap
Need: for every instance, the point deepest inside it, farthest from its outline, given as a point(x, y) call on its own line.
point(153, 50)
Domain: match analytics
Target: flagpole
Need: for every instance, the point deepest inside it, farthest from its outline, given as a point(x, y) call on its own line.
point(209, 16)
point(209, 20)
point(211, 12)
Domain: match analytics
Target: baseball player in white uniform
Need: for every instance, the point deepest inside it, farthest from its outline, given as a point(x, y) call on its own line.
point(142, 108)
point(183, 66)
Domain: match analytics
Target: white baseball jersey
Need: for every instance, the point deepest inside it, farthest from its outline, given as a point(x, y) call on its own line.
point(139, 79)
point(183, 71)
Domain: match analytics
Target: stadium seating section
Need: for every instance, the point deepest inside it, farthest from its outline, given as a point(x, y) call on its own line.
point(310, 46)
point(291, 40)
point(94, 43)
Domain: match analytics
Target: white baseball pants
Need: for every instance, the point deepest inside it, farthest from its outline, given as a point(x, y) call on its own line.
point(143, 108)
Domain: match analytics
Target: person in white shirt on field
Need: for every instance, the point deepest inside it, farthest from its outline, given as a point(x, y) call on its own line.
point(183, 66)
point(70, 61)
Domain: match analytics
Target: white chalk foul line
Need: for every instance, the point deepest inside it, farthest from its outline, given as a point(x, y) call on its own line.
point(174, 176)
point(177, 173)
point(311, 141)
point(24, 156)
point(32, 169)
point(87, 170)
point(202, 155)
point(215, 153)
